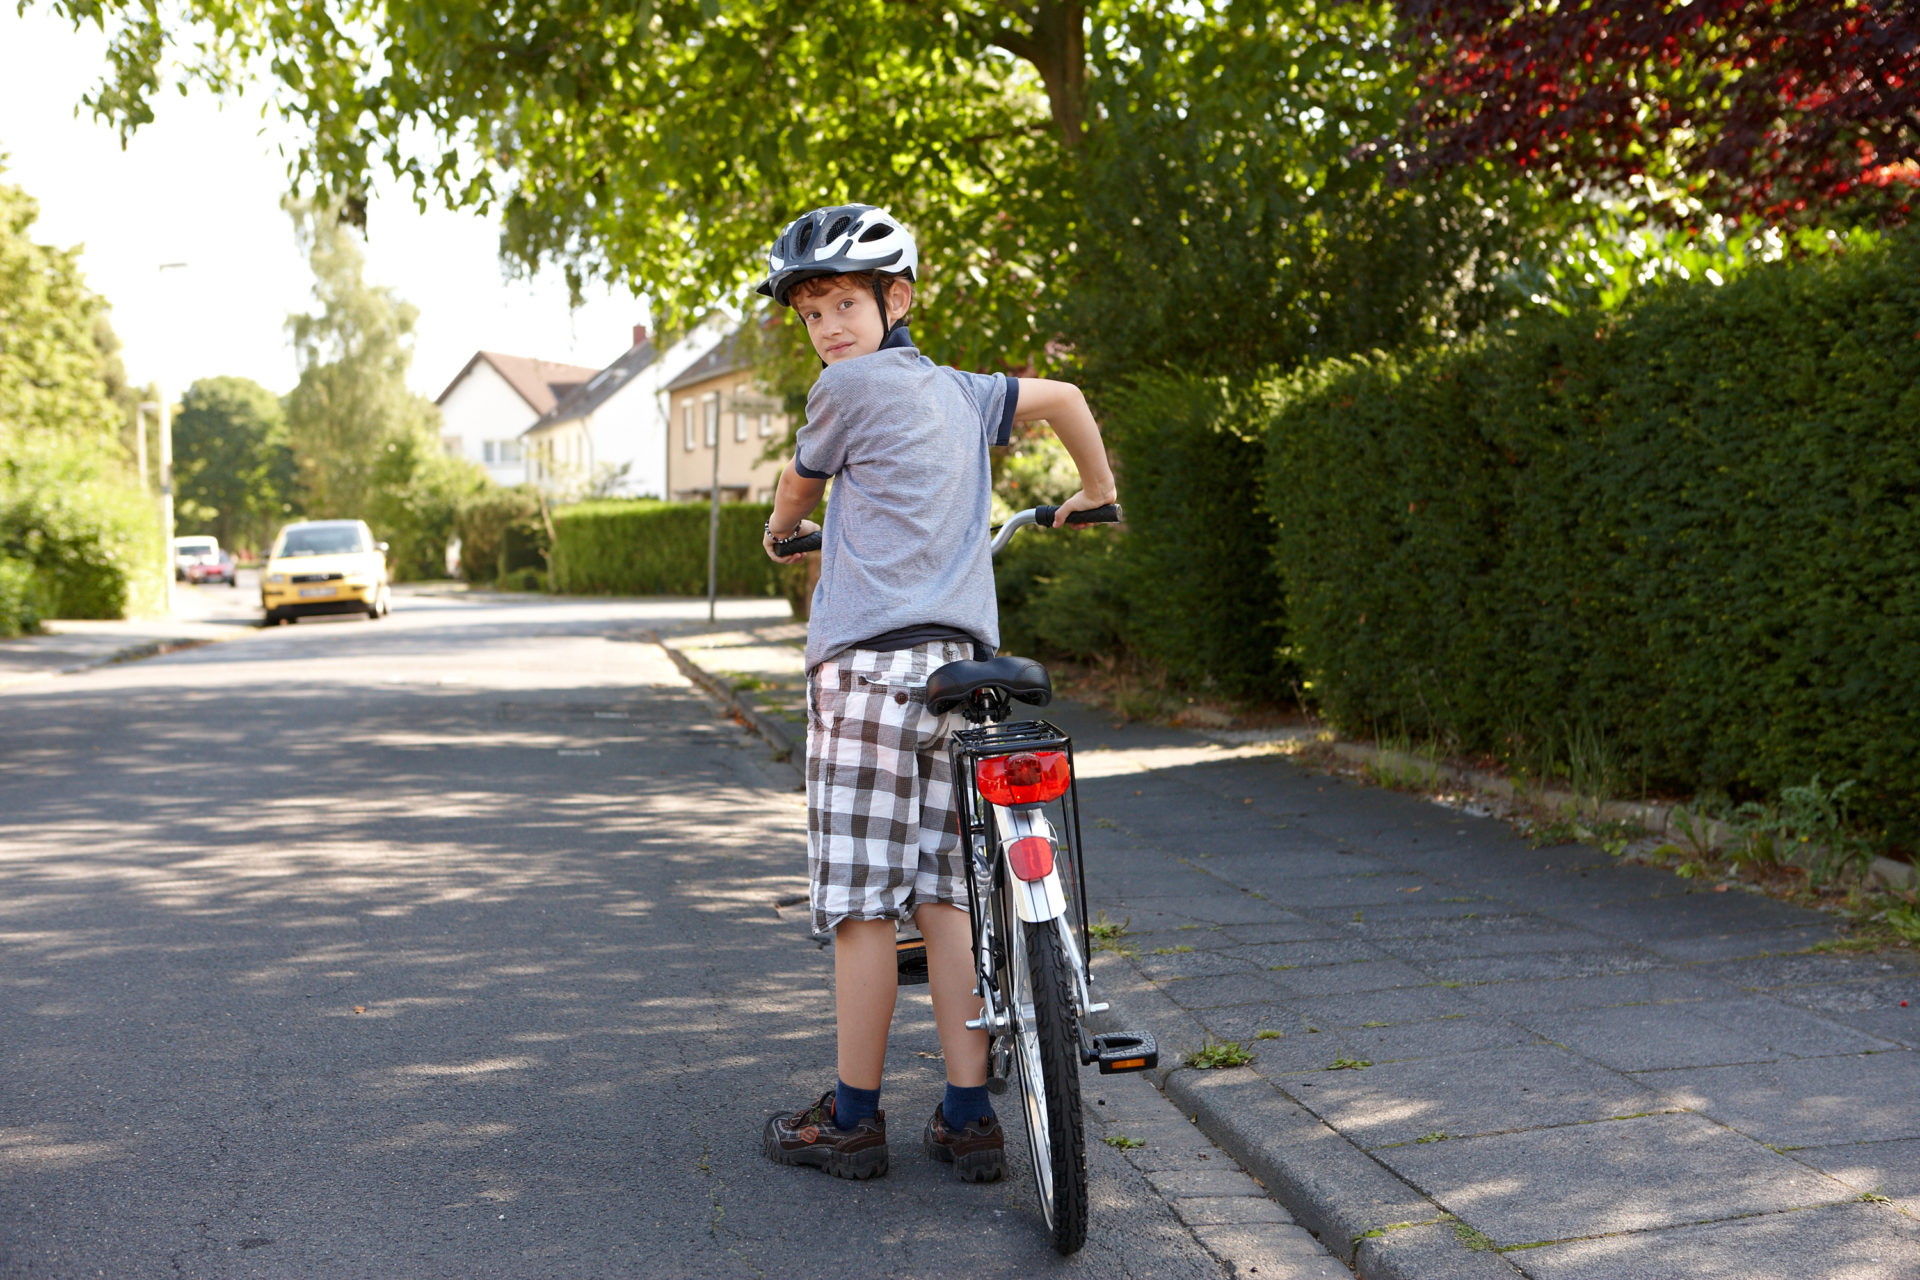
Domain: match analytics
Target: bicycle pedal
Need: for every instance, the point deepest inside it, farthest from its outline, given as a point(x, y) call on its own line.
point(1122, 1051)
point(911, 959)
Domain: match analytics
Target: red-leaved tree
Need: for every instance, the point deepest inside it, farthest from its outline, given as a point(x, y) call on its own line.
point(1779, 108)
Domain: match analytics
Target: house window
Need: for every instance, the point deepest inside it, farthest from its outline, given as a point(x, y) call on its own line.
point(686, 420)
point(500, 452)
point(712, 405)
point(766, 424)
point(739, 426)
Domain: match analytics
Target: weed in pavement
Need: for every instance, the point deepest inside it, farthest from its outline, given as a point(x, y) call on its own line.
point(1212, 1056)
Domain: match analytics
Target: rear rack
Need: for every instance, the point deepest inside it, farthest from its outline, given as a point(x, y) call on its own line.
point(1015, 735)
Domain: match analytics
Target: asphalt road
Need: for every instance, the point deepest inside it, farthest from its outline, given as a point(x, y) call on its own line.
point(445, 945)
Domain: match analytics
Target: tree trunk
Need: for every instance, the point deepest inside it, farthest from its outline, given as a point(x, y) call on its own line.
point(1055, 43)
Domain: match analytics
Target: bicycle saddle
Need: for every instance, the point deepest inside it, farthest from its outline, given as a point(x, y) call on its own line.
point(1024, 680)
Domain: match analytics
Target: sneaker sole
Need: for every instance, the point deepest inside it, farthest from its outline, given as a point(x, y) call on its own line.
point(977, 1166)
point(855, 1165)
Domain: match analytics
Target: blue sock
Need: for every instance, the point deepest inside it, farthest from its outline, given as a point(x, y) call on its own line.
point(851, 1105)
point(963, 1106)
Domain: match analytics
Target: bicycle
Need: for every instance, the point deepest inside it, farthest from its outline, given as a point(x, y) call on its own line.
point(1028, 906)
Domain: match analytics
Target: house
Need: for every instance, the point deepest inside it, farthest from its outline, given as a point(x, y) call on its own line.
point(720, 414)
point(608, 437)
point(493, 399)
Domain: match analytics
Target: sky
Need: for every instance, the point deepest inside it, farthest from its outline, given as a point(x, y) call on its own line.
point(202, 185)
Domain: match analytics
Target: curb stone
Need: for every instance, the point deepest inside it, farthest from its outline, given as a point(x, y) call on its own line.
point(763, 724)
point(1330, 1186)
point(130, 653)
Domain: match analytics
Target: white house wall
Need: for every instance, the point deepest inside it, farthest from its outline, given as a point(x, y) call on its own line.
point(484, 408)
point(630, 427)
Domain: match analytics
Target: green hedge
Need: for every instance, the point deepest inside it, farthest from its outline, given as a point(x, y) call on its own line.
point(648, 548)
point(1205, 598)
point(1689, 531)
point(1191, 584)
point(19, 615)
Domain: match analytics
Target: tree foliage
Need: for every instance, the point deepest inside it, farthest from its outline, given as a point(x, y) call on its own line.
point(1230, 222)
point(1778, 108)
point(365, 446)
point(661, 145)
point(232, 463)
point(80, 538)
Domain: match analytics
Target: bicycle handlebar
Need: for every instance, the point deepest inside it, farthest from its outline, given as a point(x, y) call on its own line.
point(1042, 516)
point(1109, 514)
point(794, 546)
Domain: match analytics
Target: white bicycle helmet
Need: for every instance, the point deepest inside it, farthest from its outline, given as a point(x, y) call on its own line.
point(838, 240)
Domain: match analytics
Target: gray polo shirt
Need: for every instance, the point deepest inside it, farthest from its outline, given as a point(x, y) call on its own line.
point(905, 539)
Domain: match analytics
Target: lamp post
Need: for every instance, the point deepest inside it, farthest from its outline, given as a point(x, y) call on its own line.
point(713, 513)
point(165, 417)
point(140, 412)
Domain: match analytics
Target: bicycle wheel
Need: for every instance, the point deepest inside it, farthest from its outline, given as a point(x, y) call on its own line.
point(1047, 1049)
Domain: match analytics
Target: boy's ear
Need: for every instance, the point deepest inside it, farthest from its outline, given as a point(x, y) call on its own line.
point(899, 299)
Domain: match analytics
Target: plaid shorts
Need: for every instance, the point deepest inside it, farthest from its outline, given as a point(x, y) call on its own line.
point(882, 827)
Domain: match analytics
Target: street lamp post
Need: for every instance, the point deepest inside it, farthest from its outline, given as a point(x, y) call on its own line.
point(165, 417)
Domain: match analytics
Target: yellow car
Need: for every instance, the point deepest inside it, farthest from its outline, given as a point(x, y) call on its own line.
point(325, 566)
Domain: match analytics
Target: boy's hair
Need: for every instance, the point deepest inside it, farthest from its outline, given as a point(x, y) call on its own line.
point(866, 280)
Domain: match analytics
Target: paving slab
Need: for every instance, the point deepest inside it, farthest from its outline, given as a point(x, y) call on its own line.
point(1619, 1175)
point(1842, 1242)
point(1891, 1169)
point(1272, 1251)
point(1553, 995)
point(1743, 1029)
point(1486, 1092)
point(1807, 1102)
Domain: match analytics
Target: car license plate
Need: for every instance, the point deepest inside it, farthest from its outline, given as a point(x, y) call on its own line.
point(315, 593)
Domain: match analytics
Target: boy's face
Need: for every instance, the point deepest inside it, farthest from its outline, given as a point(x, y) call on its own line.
point(842, 319)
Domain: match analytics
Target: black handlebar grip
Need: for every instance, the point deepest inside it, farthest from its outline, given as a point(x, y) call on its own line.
point(1109, 514)
point(794, 546)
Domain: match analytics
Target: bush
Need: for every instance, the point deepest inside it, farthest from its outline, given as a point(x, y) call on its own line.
point(1063, 595)
point(650, 548)
point(1688, 532)
point(1205, 600)
point(1190, 585)
point(18, 614)
point(481, 524)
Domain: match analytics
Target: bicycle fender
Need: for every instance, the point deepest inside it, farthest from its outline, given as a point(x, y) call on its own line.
point(1034, 901)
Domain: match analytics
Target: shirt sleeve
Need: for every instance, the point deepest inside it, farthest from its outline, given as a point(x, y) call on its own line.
point(995, 396)
point(820, 446)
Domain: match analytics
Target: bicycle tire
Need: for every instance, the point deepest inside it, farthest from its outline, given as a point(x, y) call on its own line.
point(1047, 1050)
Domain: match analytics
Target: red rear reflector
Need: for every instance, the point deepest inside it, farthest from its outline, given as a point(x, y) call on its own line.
point(1031, 777)
point(1031, 857)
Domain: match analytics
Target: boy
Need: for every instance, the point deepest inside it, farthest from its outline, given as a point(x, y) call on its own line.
point(906, 586)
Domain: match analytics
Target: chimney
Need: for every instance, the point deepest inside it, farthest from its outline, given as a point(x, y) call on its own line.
point(639, 335)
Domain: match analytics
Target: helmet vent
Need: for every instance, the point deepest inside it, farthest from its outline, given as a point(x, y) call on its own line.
point(839, 227)
point(878, 231)
point(802, 238)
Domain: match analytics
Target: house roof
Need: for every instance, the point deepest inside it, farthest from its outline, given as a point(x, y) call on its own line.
point(599, 388)
point(725, 357)
point(541, 383)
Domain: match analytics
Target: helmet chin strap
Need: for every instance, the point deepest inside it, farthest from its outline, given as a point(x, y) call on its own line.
point(880, 300)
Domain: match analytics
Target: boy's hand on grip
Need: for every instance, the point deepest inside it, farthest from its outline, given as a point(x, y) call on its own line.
point(770, 542)
point(1064, 513)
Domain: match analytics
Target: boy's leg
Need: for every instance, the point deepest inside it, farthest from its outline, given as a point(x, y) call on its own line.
point(950, 979)
point(866, 981)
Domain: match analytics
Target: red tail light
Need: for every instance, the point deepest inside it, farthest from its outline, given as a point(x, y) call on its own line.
point(1031, 857)
point(1031, 777)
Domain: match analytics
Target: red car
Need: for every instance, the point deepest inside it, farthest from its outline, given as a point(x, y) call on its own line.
point(218, 567)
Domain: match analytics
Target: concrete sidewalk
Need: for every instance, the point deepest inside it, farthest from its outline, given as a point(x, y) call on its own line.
point(1476, 1058)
